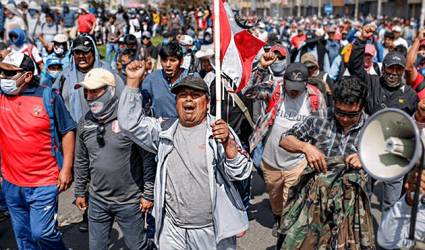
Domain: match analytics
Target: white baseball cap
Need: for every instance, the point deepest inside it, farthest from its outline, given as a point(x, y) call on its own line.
point(97, 78)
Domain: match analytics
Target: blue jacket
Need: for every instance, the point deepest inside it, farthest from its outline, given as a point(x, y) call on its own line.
point(69, 19)
point(1, 17)
point(159, 88)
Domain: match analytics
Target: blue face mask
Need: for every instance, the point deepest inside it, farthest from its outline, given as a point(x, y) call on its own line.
point(422, 71)
point(53, 74)
point(165, 41)
point(32, 13)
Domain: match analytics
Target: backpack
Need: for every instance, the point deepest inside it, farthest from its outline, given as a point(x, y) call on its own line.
point(257, 138)
point(55, 140)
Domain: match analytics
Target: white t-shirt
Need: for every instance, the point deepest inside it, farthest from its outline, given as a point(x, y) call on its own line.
point(291, 112)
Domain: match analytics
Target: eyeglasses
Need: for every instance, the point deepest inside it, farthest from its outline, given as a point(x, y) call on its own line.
point(347, 114)
point(9, 73)
point(100, 135)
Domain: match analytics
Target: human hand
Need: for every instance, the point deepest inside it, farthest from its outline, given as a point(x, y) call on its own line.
point(220, 131)
point(367, 31)
point(64, 180)
point(145, 205)
point(135, 72)
point(81, 203)
point(268, 59)
point(411, 183)
point(315, 158)
point(353, 161)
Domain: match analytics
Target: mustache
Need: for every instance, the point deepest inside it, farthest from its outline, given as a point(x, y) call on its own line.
point(189, 105)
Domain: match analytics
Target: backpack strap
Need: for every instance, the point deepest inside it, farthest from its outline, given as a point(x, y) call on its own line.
point(274, 99)
point(56, 144)
point(314, 98)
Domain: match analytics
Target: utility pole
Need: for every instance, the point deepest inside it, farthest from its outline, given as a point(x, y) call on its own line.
point(422, 14)
point(319, 14)
point(379, 8)
point(356, 11)
point(299, 8)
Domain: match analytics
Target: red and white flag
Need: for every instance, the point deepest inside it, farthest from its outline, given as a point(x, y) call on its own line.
point(238, 48)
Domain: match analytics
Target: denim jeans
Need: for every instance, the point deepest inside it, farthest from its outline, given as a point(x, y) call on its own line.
point(128, 217)
point(391, 193)
point(109, 48)
point(3, 206)
point(33, 213)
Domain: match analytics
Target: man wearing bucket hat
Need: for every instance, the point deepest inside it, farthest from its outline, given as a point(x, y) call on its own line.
point(32, 175)
point(108, 168)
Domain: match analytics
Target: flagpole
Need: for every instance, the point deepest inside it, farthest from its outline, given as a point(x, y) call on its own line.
point(217, 59)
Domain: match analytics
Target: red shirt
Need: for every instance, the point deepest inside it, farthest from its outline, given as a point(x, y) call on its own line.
point(25, 138)
point(86, 22)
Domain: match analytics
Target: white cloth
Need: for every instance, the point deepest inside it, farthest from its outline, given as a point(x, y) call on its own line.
point(393, 231)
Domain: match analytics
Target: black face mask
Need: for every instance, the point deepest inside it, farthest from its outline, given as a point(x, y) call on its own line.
point(278, 67)
point(392, 80)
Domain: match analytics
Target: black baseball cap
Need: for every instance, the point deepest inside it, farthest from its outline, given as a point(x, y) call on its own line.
point(82, 43)
point(394, 58)
point(296, 72)
point(192, 82)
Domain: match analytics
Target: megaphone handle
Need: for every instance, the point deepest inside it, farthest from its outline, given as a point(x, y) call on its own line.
point(414, 212)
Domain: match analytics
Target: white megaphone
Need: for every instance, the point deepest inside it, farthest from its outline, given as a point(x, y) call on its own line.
point(389, 145)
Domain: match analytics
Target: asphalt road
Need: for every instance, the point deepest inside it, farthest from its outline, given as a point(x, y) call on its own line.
point(258, 236)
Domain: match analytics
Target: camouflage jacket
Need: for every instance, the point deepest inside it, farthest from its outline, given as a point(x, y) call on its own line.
point(328, 210)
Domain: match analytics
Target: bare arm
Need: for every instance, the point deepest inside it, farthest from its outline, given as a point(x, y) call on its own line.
point(292, 144)
point(411, 71)
point(313, 155)
point(65, 175)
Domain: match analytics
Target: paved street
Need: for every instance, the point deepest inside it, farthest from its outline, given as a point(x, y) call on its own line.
point(258, 237)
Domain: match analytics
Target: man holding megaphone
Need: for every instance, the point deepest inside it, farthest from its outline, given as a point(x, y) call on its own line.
point(394, 228)
point(386, 91)
point(328, 207)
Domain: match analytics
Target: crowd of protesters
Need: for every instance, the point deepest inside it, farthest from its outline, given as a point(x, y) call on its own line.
point(134, 130)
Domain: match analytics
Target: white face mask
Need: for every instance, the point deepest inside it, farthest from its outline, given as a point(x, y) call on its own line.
point(58, 50)
point(9, 87)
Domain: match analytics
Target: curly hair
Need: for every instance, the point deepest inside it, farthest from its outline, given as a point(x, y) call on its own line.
point(350, 90)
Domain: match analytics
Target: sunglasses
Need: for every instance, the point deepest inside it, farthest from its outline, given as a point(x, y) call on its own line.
point(9, 73)
point(80, 52)
point(100, 133)
point(347, 114)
